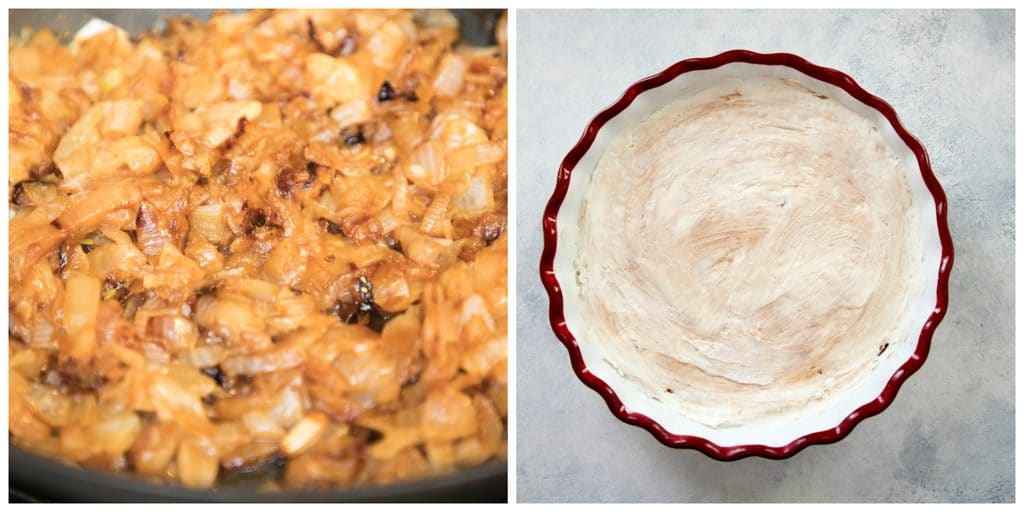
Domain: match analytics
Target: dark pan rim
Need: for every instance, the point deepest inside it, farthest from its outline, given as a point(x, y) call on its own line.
point(38, 475)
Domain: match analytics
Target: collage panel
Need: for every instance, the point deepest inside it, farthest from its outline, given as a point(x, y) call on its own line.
point(258, 255)
point(736, 239)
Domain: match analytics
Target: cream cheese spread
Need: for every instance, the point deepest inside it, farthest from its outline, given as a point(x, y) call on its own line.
point(747, 252)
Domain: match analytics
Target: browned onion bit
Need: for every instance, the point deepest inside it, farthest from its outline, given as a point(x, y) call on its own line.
point(62, 258)
point(254, 219)
point(47, 169)
point(355, 138)
point(291, 180)
point(263, 469)
point(18, 196)
point(387, 92)
point(393, 243)
point(347, 46)
point(311, 34)
point(365, 290)
point(331, 227)
point(347, 312)
point(490, 228)
point(115, 290)
point(378, 319)
point(214, 372)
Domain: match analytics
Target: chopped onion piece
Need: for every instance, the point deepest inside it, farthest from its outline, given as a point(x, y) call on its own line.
point(227, 317)
point(88, 209)
point(450, 76)
point(427, 168)
point(478, 197)
point(95, 27)
point(197, 462)
point(140, 157)
point(175, 333)
point(220, 121)
point(335, 80)
point(448, 414)
point(209, 221)
point(286, 263)
point(304, 434)
point(83, 153)
point(150, 230)
point(281, 357)
point(352, 112)
point(456, 130)
point(81, 305)
point(174, 403)
point(154, 448)
point(262, 426)
point(207, 356)
point(50, 404)
point(115, 435)
point(42, 333)
point(38, 192)
point(434, 221)
point(28, 363)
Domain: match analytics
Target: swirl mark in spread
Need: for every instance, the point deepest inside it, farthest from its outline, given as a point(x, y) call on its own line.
point(745, 251)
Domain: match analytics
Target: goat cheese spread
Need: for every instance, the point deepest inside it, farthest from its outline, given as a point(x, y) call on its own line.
point(746, 252)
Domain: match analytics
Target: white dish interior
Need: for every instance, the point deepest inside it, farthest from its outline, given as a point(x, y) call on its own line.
point(780, 431)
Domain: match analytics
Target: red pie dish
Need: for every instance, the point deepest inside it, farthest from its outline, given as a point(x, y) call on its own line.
point(746, 254)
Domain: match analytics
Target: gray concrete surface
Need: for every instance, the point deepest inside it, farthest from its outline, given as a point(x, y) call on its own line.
point(949, 436)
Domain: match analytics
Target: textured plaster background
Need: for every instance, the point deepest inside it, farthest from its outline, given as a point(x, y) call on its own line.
point(949, 436)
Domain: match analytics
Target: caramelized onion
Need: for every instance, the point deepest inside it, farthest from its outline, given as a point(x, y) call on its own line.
point(236, 253)
point(450, 77)
point(81, 305)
